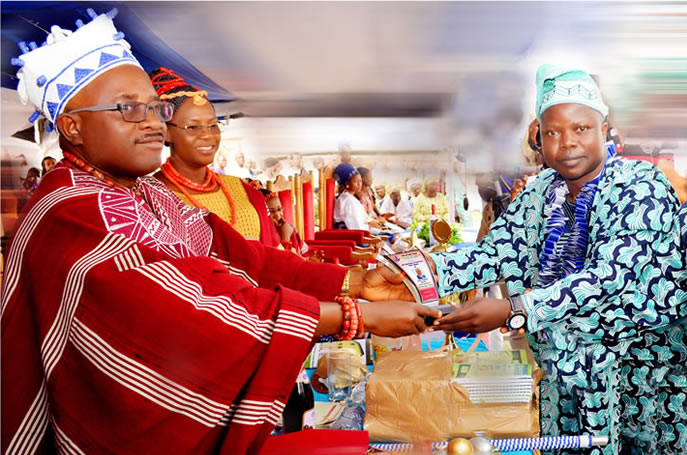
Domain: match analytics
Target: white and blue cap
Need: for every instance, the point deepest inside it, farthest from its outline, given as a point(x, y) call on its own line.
point(557, 85)
point(50, 75)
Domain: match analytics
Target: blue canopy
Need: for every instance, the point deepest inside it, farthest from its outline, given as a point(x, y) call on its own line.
point(31, 21)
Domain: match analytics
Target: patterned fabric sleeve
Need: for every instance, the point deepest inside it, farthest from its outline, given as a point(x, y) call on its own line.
point(493, 258)
point(628, 281)
point(682, 223)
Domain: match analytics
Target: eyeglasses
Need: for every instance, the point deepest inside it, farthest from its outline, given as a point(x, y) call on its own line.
point(195, 130)
point(134, 112)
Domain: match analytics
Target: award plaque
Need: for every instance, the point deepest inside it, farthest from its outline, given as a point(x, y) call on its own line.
point(418, 275)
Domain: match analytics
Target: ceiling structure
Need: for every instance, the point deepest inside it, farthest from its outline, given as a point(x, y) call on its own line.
point(466, 62)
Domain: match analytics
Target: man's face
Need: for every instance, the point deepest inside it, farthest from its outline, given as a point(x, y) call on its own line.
point(367, 180)
point(194, 149)
point(415, 189)
point(381, 191)
point(395, 196)
point(122, 149)
point(240, 159)
point(221, 161)
point(573, 141)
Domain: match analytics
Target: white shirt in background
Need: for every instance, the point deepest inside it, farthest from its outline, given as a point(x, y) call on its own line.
point(350, 210)
point(403, 212)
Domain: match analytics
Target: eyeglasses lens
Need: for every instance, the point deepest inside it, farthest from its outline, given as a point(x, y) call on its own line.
point(137, 112)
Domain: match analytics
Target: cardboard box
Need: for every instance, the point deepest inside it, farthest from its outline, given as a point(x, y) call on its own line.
point(410, 397)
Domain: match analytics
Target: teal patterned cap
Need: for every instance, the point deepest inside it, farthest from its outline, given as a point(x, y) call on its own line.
point(556, 85)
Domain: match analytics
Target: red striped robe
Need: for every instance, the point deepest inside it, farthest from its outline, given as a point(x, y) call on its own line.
point(147, 327)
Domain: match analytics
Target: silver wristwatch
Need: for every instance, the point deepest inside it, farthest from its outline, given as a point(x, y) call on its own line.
point(518, 317)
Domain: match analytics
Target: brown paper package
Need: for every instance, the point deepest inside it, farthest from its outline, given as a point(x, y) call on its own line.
point(410, 397)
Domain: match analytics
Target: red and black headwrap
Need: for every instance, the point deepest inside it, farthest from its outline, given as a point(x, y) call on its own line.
point(173, 89)
point(268, 194)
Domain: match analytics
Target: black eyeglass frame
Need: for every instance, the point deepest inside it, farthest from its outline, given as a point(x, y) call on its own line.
point(198, 129)
point(130, 107)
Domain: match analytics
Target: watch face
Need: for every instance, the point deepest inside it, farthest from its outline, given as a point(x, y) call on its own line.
point(517, 321)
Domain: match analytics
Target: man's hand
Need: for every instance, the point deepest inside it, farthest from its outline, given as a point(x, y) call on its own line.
point(375, 224)
point(394, 318)
point(379, 284)
point(476, 316)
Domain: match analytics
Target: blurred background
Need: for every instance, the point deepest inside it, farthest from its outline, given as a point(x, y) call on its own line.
point(404, 86)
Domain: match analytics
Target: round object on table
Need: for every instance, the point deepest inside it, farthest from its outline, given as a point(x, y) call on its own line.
point(441, 231)
point(481, 446)
point(459, 446)
point(317, 384)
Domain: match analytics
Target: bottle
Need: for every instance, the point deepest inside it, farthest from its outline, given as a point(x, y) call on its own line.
point(299, 413)
point(433, 218)
point(351, 418)
point(353, 415)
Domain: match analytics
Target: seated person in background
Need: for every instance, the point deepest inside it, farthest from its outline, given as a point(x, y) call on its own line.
point(273, 168)
point(366, 195)
point(422, 208)
point(220, 164)
point(240, 170)
point(380, 191)
point(396, 210)
point(187, 336)
point(349, 212)
point(414, 188)
point(288, 234)
point(28, 185)
point(47, 164)
point(30, 182)
point(193, 136)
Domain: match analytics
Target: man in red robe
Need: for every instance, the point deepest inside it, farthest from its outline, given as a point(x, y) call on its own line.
point(131, 322)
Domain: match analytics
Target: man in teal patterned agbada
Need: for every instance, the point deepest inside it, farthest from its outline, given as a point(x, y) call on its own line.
point(597, 240)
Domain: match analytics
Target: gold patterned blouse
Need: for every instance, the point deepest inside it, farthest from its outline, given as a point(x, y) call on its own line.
point(247, 219)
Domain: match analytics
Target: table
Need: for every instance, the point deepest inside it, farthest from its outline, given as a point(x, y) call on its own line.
point(323, 406)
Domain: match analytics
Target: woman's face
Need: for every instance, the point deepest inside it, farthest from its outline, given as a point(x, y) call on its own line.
point(275, 209)
point(354, 184)
point(49, 164)
point(432, 188)
point(194, 148)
